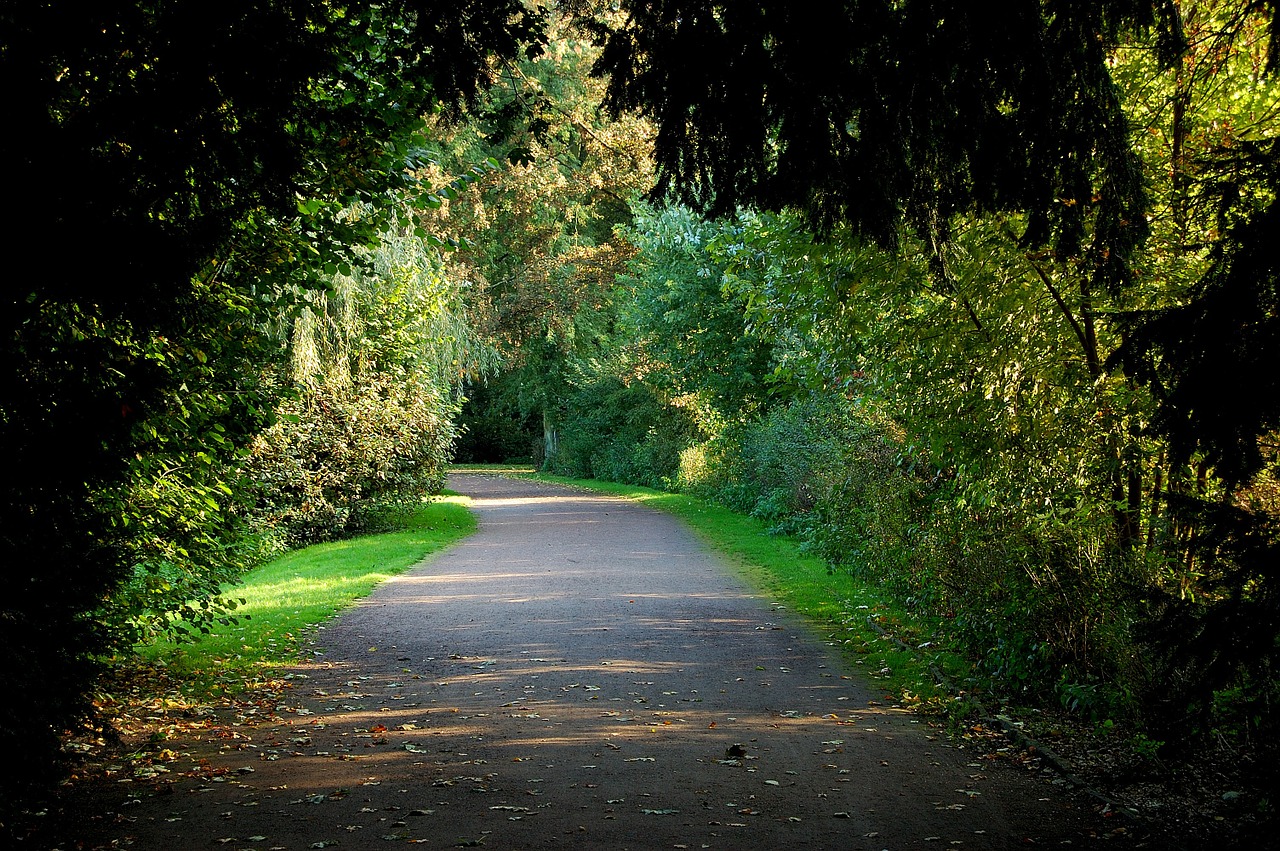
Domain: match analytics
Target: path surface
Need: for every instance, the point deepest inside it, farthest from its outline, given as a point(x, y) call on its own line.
point(582, 673)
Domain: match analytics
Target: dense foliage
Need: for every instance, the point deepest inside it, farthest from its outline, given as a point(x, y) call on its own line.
point(185, 170)
point(379, 357)
point(542, 250)
point(1008, 347)
point(876, 113)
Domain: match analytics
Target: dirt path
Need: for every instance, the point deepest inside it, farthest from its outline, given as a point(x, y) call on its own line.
point(582, 673)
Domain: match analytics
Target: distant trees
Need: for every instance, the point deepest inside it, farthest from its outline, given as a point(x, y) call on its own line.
point(542, 252)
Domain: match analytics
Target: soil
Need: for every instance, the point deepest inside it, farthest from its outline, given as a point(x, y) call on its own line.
point(581, 673)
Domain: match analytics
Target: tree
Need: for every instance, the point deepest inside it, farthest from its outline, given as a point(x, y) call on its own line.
point(961, 131)
point(199, 158)
point(875, 114)
point(695, 336)
point(540, 243)
point(1206, 345)
point(379, 360)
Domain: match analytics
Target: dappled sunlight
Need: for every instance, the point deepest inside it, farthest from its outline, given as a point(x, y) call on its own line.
point(574, 586)
point(553, 680)
point(288, 590)
point(531, 734)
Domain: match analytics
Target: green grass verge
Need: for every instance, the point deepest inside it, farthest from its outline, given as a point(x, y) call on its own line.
point(493, 469)
point(868, 626)
point(287, 597)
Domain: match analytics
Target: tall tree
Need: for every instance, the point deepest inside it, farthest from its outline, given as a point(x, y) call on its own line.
point(541, 247)
point(880, 113)
point(182, 167)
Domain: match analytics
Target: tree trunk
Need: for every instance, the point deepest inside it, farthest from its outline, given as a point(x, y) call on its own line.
point(550, 437)
point(1153, 513)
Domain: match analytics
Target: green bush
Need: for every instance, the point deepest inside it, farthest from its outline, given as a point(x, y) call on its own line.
point(377, 360)
point(1032, 598)
point(340, 463)
point(621, 431)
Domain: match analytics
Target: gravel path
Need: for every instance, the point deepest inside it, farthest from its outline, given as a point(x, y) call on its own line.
point(583, 673)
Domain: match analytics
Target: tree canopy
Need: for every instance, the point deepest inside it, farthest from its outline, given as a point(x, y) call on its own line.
point(876, 113)
point(880, 115)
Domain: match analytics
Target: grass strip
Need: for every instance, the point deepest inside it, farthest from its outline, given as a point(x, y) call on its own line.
point(900, 652)
point(493, 469)
point(289, 596)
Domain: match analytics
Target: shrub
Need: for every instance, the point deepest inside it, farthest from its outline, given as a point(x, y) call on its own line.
point(339, 463)
point(1031, 597)
point(621, 431)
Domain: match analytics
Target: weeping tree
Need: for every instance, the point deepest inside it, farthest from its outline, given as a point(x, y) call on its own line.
point(379, 359)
